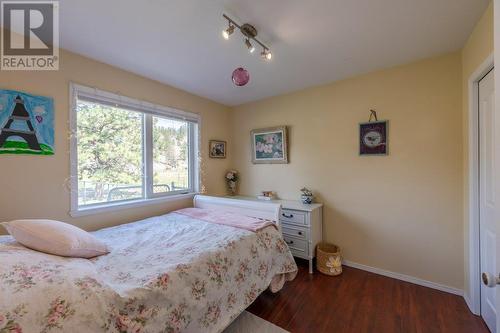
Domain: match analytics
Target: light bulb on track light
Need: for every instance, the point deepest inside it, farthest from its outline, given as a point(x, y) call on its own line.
point(266, 54)
point(226, 33)
point(251, 48)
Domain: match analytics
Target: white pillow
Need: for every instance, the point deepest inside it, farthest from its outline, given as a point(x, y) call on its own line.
point(56, 237)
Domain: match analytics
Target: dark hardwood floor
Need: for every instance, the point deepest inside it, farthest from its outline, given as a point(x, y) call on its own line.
point(359, 301)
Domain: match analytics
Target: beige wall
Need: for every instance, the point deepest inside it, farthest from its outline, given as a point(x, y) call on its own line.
point(34, 186)
point(477, 49)
point(402, 212)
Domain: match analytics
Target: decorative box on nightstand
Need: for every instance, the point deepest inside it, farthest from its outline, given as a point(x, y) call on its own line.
point(301, 225)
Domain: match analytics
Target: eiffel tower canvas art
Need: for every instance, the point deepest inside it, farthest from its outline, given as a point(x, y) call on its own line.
point(26, 123)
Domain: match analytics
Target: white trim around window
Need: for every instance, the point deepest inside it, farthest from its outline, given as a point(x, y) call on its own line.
point(149, 110)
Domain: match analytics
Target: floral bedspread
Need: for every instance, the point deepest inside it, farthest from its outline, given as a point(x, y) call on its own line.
point(170, 273)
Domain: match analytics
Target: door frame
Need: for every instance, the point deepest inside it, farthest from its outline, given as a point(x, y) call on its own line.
point(474, 298)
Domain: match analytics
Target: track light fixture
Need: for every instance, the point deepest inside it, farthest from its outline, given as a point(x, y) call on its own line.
point(250, 33)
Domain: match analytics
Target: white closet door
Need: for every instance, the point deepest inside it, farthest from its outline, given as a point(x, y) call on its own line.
point(487, 197)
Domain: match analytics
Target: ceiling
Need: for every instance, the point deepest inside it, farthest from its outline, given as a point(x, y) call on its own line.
point(179, 42)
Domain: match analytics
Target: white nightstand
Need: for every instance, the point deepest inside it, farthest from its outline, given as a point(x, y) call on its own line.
point(301, 225)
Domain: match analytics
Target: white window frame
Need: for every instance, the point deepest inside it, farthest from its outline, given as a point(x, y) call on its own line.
point(150, 110)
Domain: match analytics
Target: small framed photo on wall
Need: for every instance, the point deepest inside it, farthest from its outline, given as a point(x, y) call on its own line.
point(373, 138)
point(269, 145)
point(217, 149)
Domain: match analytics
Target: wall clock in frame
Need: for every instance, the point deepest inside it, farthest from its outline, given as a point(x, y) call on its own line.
point(373, 138)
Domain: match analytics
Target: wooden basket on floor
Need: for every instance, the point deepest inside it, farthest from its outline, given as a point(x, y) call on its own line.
point(328, 259)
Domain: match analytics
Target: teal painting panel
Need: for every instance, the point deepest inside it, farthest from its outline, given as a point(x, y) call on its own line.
point(26, 123)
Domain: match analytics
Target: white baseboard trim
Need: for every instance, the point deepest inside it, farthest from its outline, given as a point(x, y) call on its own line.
point(405, 278)
point(471, 307)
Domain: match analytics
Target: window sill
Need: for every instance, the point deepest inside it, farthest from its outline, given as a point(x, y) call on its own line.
point(105, 208)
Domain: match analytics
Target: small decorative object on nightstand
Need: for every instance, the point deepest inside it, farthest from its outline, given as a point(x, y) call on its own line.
point(307, 196)
point(267, 195)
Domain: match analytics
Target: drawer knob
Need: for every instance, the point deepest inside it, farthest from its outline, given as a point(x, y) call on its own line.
point(287, 216)
point(300, 233)
point(290, 242)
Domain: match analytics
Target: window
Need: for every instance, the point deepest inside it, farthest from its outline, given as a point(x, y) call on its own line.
point(128, 152)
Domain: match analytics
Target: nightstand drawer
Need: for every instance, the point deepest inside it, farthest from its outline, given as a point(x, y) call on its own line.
point(294, 231)
point(293, 216)
point(297, 247)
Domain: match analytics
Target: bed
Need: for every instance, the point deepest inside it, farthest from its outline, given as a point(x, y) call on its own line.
point(170, 273)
